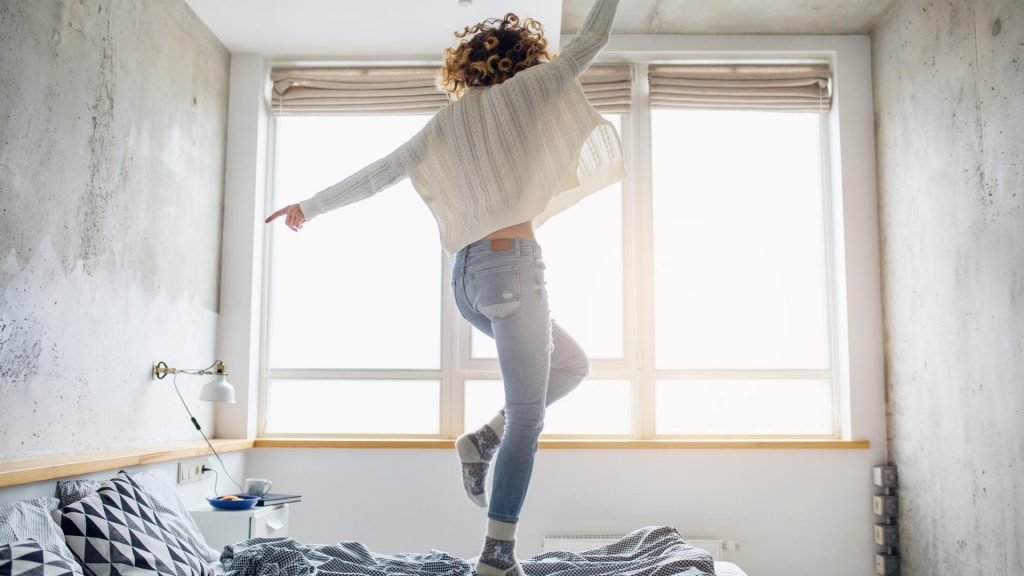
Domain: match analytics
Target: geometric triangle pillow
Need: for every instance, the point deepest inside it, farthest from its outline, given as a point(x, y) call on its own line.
point(28, 558)
point(116, 531)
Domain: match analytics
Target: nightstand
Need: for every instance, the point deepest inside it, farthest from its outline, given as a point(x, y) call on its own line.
point(223, 527)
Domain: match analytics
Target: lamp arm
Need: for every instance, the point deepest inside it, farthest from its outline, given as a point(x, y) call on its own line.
point(220, 369)
point(161, 369)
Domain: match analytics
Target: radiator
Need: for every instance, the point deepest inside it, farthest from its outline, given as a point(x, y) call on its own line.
point(581, 542)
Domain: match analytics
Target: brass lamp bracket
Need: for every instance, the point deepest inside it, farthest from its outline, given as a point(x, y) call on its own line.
point(161, 370)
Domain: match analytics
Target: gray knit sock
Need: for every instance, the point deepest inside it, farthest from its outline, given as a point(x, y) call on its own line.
point(498, 557)
point(475, 450)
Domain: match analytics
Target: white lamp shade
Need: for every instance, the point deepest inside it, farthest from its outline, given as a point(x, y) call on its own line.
point(218, 390)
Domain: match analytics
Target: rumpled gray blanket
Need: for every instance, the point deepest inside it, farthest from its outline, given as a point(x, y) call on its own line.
point(647, 551)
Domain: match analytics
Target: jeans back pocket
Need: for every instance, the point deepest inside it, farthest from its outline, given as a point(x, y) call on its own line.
point(495, 291)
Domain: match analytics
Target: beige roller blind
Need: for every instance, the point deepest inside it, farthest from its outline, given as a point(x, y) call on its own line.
point(407, 90)
point(607, 87)
point(795, 87)
point(378, 90)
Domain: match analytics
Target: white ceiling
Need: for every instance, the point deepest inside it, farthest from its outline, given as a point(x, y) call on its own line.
point(396, 29)
point(361, 29)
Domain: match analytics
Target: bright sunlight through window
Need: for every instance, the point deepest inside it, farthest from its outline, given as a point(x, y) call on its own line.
point(739, 273)
point(731, 309)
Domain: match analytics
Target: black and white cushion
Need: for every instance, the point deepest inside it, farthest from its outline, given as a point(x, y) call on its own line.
point(33, 520)
point(116, 530)
point(28, 558)
point(168, 505)
point(71, 491)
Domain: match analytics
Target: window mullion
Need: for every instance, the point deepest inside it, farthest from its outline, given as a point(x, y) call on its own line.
point(354, 373)
point(643, 271)
point(269, 192)
point(451, 397)
point(766, 374)
point(840, 427)
point(630, 322)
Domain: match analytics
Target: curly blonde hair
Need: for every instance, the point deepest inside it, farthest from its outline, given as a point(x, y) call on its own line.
point(493, 52)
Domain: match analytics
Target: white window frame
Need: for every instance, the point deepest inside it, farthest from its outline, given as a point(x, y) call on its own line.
point(645, 257)
point(854, 301)
point(637, 364)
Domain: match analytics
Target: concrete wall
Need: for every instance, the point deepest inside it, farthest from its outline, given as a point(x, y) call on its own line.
point(113, 118)
point(949, 96)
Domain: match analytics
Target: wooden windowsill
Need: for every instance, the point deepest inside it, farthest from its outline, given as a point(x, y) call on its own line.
point(51, 467)
point(575, 443)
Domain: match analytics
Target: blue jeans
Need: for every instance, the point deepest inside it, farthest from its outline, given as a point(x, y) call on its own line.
point(504, 295)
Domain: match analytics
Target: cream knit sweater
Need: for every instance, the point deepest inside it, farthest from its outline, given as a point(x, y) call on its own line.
point(525, 149)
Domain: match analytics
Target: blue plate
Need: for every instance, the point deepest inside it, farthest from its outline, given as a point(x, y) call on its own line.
point(247, 501)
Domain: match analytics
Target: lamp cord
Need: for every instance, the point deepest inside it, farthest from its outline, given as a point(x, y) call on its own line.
point(216, 477)
point(200, 429)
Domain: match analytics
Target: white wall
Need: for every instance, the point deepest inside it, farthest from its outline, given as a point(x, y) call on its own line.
point(793, 512)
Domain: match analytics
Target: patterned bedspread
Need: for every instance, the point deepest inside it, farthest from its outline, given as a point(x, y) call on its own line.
point(648, 551)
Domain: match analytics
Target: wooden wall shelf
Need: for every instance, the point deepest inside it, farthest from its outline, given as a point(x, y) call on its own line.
point(51, 467)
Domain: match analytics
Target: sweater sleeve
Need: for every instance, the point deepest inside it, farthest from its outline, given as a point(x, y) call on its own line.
point(593, 35)
point(372, 178)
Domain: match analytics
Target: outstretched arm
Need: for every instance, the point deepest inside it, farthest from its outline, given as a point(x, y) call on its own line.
point(374, 177)
point(593, 35)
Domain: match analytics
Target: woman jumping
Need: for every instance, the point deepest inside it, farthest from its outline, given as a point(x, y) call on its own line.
point(517, 144)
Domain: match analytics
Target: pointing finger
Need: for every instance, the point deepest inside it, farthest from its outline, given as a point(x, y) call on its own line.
point(276, 214)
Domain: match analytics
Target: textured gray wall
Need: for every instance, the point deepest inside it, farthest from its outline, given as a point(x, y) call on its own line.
point(949, 100)
point(735, 16)
point(113, 118)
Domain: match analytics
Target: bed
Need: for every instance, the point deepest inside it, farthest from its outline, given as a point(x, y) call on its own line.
point(137, 524)
point(648, 550)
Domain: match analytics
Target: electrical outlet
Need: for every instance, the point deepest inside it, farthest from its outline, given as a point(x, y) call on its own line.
point(191, 470)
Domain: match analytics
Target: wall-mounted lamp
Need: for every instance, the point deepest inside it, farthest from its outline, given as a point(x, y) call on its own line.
point(216, 390)
point(466, 3)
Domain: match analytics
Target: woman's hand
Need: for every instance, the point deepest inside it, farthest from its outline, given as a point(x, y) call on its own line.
point(295, 218)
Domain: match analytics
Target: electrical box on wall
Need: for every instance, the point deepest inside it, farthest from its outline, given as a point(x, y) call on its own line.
point(191, 470)
point(885, 505)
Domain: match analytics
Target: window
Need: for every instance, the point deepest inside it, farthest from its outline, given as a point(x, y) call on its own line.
point(740, 308)
point(702, 298)
point(359, 293)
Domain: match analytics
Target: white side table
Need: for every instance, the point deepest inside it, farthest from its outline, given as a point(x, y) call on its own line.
point(223, 527)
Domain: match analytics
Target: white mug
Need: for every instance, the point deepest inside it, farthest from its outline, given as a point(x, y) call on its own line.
point(257, 486)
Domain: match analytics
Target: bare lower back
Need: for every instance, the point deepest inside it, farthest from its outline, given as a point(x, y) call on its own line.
point(521, 230)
